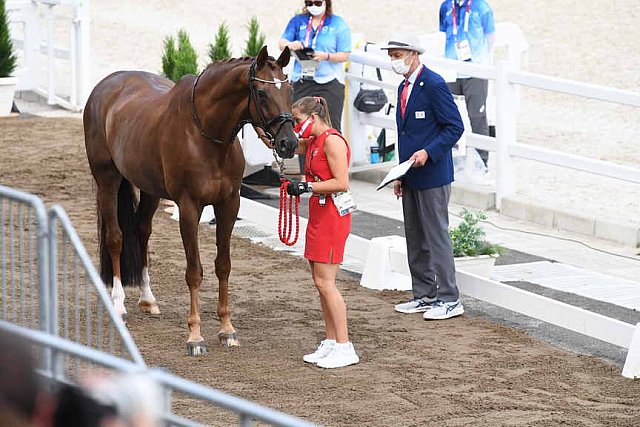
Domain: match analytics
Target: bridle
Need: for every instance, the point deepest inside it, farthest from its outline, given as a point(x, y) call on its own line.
point(264, 124)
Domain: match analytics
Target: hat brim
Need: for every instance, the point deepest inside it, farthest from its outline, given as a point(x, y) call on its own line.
point(403, 47)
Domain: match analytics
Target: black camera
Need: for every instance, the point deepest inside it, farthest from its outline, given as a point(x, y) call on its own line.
point(305, 54)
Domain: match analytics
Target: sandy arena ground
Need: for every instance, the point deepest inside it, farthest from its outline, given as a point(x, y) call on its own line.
point(461, 372)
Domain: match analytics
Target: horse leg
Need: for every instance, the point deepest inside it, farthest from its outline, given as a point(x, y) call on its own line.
point(112, 237)
point(190, 213)
point(146, 209)
point(226, 215)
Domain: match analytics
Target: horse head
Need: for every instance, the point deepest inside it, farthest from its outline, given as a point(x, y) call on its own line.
point(271, 100)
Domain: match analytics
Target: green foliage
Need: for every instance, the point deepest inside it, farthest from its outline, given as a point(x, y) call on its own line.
point(220, 49)
point(181, 61)
point(256, 39)
point(467, 239)
point(169, 57)
point(8, 60)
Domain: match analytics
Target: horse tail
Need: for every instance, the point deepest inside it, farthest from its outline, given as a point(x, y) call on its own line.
point(131, 262)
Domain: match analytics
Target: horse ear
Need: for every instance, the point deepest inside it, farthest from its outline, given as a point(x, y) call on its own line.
point(261, 59)
point(284, 58)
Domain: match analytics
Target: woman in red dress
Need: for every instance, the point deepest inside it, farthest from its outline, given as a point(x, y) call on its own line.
point(327, 177)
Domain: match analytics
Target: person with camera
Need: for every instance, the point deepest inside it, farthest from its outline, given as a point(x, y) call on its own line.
point(330, 207)
point(321, 43)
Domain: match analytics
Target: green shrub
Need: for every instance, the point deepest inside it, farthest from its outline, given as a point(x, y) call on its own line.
point(256, 39)
point(8, 60)
point(181, 61)
point(467, 239)
point(220, 49)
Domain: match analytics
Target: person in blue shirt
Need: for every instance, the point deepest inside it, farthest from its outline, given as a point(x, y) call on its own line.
point(429, 125)
point(470, 33)
point(329, 36)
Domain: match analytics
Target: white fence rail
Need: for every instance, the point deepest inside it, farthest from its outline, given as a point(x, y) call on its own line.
point(52, 39)
point(506, 78)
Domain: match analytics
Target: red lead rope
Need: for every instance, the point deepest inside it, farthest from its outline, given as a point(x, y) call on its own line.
point(285, 216)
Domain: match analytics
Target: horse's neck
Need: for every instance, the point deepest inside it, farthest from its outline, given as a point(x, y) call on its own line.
point(222, 102)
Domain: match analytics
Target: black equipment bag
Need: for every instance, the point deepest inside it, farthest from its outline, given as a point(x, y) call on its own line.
point(370, 100)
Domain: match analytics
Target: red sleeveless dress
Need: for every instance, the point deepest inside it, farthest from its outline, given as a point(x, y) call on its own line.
point(327, 231)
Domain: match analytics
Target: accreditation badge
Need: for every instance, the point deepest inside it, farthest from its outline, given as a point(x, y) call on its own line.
point(463, 50)
point(309, 68)
point(344, 202)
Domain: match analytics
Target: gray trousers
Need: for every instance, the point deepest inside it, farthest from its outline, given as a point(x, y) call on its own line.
point(426, 223)
point(475, 95)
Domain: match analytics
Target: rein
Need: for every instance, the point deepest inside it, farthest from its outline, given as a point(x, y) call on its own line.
point(264, 124)
point(285, 215)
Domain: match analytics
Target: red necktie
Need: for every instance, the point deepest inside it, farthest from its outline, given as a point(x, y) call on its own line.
point(403, 97)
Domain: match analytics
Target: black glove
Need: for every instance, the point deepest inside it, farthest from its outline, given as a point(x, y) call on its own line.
point(296, 188)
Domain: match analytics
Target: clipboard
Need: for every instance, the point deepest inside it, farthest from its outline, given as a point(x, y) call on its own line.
point(396, 172)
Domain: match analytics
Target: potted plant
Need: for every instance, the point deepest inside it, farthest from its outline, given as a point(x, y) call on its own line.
point(472, 253)
point(220, 49)
point(181, 60)
point(256, 39)
point(8, 64)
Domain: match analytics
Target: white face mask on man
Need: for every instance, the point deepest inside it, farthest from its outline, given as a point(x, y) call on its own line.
point(399, 66)
point(317, 10)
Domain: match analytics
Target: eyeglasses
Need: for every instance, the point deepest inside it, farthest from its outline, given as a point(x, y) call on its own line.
point(310, 3)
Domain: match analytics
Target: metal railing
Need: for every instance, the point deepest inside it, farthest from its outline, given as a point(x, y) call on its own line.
point(52, 296)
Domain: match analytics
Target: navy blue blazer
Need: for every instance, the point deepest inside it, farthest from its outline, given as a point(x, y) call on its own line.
point(432, 121)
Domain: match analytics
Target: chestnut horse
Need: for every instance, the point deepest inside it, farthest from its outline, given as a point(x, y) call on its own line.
point(179, 142)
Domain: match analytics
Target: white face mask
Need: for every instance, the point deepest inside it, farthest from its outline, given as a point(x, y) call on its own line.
point(317, 10)
point(399, 66)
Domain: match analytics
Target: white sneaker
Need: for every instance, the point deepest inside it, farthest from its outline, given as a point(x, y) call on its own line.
point(416, 305)
point(341, 355)
point(323, 349)
point(444, 310)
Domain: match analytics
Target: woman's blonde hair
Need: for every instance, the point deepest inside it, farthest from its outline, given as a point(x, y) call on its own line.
point(313, 105)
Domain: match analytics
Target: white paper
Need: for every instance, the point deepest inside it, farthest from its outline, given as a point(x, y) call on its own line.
point(396, 172)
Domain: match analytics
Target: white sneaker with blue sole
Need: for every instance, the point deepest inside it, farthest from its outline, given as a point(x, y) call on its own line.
point(414, 306)
point(444, 310)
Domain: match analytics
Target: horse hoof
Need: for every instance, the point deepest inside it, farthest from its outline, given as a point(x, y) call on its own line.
point(228, 340)
point(149, 307)
point(196, 348)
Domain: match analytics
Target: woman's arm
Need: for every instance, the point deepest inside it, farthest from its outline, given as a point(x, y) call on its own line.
point(336, 152)
point(293, 45)
point(331, 56)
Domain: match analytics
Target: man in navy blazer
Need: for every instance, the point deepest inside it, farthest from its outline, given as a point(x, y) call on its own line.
point(429, 125)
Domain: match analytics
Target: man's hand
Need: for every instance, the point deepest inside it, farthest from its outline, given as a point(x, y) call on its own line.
point(397, 188)
point(296, 188)
point(420, 157)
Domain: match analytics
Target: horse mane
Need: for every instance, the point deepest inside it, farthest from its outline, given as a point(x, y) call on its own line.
point(225, 64)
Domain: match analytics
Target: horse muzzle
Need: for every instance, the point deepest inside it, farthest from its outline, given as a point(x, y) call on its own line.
point(286, 146)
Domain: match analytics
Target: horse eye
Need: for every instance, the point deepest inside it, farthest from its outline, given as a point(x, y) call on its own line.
point(262, 94)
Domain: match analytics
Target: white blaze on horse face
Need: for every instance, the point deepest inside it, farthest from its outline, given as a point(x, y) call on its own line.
point(146, 296)
point(117, 296)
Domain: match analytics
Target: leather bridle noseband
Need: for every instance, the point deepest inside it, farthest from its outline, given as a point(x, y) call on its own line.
point(264, 124)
